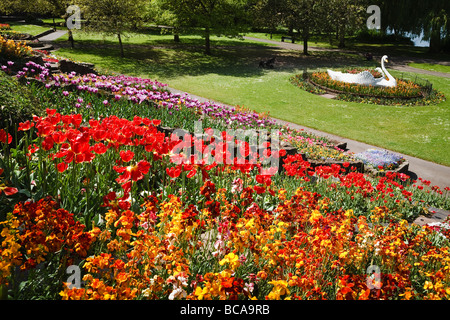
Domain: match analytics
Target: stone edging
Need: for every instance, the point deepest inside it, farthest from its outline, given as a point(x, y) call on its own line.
point(357, 166)
point(403, 168)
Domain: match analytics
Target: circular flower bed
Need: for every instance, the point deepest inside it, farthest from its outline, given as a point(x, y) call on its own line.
point(405, 89)
point(407, 92)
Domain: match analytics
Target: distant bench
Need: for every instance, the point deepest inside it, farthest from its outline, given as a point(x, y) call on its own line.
point(292, 39)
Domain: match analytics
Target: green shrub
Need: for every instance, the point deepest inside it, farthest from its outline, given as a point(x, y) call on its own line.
point(16, 104)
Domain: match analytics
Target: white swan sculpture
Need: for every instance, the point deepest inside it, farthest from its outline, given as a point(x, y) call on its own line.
point(366, 78)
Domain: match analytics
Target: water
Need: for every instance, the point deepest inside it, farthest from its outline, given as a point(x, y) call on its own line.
point(418, 41)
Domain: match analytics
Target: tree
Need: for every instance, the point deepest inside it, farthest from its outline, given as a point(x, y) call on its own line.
point(221, 17)
point(305, 16)
point(158, 13)
point(346, 16)
point(56, 8)
point(268, 14)
point(114, 17)
point(33, 8)
point(416, 17)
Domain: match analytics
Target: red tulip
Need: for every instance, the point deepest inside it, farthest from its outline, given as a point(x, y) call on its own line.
point(61, 166)
point(25, 126)
point(134, 173)
point(5, 137)
point(8, 190)
point(126, 156)
point(174, 172)
point(100, 148)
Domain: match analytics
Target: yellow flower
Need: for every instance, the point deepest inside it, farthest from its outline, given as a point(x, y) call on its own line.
point(279, 289)
point(250, 224)
point(232, 259)
point(201, 293)
point(282, 194)
point(315, 216)
point(428, 285)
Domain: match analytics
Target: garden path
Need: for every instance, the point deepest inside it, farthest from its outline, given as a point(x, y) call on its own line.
point(52, 36)
point(401, 64)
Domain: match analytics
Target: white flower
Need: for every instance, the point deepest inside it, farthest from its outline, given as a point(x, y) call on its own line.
point(177, 293)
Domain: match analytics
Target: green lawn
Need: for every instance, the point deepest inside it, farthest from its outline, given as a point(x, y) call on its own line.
point(431, 67)
point(154, 38)
point(313, 42)
point(232, 76)
point(49, 21)
point(28, 28)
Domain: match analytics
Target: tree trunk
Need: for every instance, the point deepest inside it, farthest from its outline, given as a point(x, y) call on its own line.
point(305, 47)
point(72, 44)
point(69, 32)
point(207, 41)
point(305, 40)
point(176, 37)
point(435, 46)
point(435, 40)
point(121, 45)
point(54, 24)
point(342, 37)
point(291, 31)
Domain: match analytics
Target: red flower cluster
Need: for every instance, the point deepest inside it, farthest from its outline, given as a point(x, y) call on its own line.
point(46, 229)
point(67, 138)
point(296, 166)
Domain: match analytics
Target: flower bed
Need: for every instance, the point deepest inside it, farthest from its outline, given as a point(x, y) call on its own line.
point(381, 159)
point(10, 49)
point(404, 89)
point(378, 162)
point(406, 92)
point(99, 186)
point(15, 35)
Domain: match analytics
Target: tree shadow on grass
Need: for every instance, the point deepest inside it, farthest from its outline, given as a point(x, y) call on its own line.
point(168, 61)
